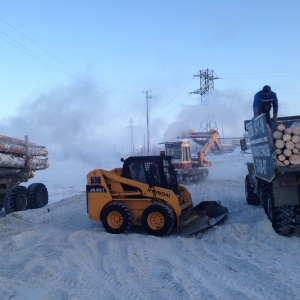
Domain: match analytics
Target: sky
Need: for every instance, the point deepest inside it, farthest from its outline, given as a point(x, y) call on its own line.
point(75, 73)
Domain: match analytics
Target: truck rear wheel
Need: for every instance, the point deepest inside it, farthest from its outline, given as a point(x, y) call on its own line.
point(16, 199)
point(282, 217)
point(251, 197)
point(158, 219)
point(38, 195)
point(116, 218)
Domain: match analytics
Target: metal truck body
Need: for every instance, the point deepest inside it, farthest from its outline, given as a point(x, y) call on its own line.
point(273, 184)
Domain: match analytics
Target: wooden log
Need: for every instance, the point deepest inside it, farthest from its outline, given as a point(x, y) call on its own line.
point(279, 144)
point(39, 163)
point(279, 151)
point(12, 140)
point(287, 152)
point(281, 157)
point(277, 134)
point(296, 151)
point(279, 163)
point(297, 145)
point(294, 159)
point(286, 162)
point(11, 161)
point(288, 130)
point(286, 137)
point(296, 130)
point(20, 149)
point(296, 138)
point(289, 145)
point(281, 127)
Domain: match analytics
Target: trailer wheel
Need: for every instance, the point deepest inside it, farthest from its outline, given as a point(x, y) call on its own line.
point(251, 197)
point(38, 195)
point(116, 218)
point(282, 217)
point(16, 199)
point(158, 219)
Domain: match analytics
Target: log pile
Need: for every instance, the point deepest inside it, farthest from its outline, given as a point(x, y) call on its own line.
point(18, 156)
point(287, 144)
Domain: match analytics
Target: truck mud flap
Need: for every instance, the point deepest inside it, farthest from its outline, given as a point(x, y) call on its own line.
point(202, 216)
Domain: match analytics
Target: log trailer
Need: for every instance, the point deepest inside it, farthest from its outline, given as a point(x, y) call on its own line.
point(191, 169)
point(273, 179)
point(19, 159)
point(145, 192)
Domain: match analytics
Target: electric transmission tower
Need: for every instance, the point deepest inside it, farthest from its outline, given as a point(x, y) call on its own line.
point(207, 78)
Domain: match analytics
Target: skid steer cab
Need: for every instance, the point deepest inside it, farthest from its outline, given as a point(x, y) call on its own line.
point(145, 192)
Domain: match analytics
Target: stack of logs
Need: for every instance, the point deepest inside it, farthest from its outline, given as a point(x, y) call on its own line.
point(287, 143)
point(14, 156)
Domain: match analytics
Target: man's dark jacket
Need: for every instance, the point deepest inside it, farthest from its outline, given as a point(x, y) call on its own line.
point(262, 104)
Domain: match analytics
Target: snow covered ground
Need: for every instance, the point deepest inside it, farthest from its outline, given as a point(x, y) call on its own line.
point(56, 252)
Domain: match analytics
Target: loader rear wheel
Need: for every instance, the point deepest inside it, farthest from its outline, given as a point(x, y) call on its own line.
point(158, 219)
point(38, 195)
point(251, 197)
point(16, 199)
point(116, 218)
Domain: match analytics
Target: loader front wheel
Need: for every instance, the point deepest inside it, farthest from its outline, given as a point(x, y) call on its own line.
point(158, 219)
point(116, 218)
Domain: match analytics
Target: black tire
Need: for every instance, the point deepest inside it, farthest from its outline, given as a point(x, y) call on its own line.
point(269, 204)
point(158, 219)
point(116, 218)
point(282, 217)
point(38, 195)
point(16, 199)
point(251, 197)
point(263, 196)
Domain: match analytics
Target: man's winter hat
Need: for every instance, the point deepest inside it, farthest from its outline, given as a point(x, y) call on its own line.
point(266, 89)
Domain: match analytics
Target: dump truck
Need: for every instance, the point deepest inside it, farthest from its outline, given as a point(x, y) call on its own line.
point(191, 169)
point(145, 193)
point(19, 159)
point(273, 179)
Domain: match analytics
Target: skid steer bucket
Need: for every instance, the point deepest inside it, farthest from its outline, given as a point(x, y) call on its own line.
point(202, 216)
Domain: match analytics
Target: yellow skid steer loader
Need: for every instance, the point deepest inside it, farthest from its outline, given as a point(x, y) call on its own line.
point(145, 192)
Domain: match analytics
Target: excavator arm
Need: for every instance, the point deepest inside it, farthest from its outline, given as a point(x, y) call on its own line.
point(213, 141)
point(212, 138)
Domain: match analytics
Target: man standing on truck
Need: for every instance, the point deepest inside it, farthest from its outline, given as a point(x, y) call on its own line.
point(263, 101)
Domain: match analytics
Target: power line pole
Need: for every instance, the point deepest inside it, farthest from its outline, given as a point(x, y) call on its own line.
point(148, 134)
point(131, 137)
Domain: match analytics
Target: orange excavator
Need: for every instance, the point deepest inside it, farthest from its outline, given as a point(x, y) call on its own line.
point(191, 169)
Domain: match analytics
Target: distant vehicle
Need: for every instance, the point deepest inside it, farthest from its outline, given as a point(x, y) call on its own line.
point(19, 159)
point(191, 169)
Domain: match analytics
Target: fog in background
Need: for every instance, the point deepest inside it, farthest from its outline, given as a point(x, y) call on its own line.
point(82, 125)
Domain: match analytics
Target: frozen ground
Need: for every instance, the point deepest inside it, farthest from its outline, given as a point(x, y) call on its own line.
point(56, 252)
